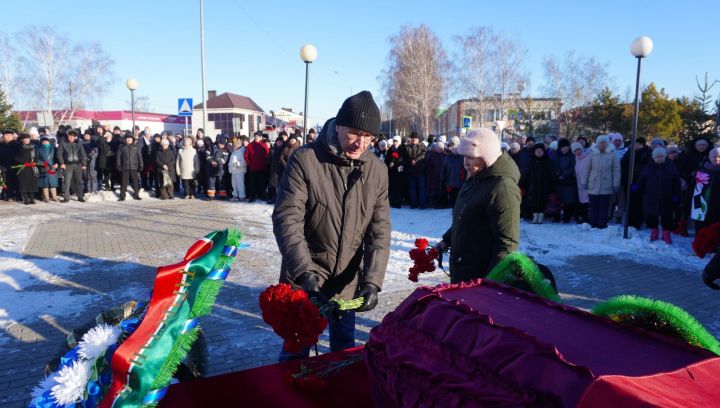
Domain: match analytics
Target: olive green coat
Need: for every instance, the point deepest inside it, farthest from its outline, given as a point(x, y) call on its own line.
point(486, 221)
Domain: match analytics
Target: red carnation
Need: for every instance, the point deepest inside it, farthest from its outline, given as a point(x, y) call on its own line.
point(423, 259)
point(395, 155)
point(707, 240)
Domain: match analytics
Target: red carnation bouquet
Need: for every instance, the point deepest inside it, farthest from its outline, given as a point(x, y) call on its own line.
point(395, 155)
point(294, 317)
point(707, 240)
point(423, 257)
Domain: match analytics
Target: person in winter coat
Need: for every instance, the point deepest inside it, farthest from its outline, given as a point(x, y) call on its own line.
point(332, 217)
point(187, 165)
point(292, 144)
point(72, 159)
point(601, 181)
point(276, 168)
point(706, 199)
point(215, 167)
point(415, 166)
point(642, 156)
point(689, 163)
point(47, 170)
point(105, 161)
point(26, 161)
point(582, 162)
point(238, 168)
point(486, 217)
point(659, 184)
point(201, 147)
point(395, 161)
point(538, 182)
point(434, 165)
point(526, 154)
point(566, 184)
point(8, 147)
point(129, 165)
point(453, 174)
point(90, 172)
point(257, 157)
point(617, 200)
point(165, 170)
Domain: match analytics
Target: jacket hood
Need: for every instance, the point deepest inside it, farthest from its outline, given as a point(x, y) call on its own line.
point(504, 167)
point(329, 142)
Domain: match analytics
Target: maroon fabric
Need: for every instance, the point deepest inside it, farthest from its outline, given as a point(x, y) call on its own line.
point(695, 386)
point(264, 387)
point(485, 344)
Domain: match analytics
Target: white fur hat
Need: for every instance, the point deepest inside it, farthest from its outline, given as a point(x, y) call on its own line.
point(576, 146)
point(442, 138)
point(659, 151)
point(601, 139)
point(397, 139)
point(715, 152)
point(615, 136)
point(483, 143)
point(33, 131)
point(553, 145)
point(455, 141)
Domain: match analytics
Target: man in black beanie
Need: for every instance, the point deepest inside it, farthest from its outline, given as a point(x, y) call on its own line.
point(332, 216)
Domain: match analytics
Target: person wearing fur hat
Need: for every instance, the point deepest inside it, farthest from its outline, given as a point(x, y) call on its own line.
point(395, 161)
point(582, 162)
point(129, 163)
point(238, 168)
point(217, 158)
point(659, 185)
point(643, 154)
point(486, 217)
point(415, 153)
point(332, 217)
point(47, 170)
point(165, 171)
point(187, 166)
point(566, 185)
point(72, 159)
point(26, 157)
point(601, 181)
point(537, 182)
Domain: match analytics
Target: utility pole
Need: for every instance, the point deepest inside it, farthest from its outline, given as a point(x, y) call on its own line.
point(71, 95)
point(202, 65)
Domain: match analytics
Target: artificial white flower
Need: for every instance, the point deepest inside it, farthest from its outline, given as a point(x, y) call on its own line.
point(71, 382)
point(44, 385)
point(94, 343)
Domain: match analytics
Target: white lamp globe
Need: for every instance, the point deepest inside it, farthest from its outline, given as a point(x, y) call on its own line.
point(641, 47)
point(132, 84)
point(308, 53)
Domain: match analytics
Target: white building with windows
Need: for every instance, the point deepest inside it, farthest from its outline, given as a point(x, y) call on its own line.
point(226, 108)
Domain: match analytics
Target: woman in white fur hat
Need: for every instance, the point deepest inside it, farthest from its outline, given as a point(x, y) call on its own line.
point(486, 216)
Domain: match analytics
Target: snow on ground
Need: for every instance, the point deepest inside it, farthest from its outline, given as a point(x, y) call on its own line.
point(18, 274)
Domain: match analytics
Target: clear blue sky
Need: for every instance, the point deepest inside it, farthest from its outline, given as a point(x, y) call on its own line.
point(252, 47)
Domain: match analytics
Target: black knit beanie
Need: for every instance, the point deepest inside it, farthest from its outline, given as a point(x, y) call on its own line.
point(360, 112)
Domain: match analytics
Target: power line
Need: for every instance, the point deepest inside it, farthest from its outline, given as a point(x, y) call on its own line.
point(261, 28)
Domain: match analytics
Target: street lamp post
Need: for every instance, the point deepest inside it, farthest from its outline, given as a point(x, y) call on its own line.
point(308, 54)
point(132, 85)
point(640, 48)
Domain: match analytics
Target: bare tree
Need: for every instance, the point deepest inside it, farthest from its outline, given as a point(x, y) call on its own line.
point(508, 80)
point(58, 75)
point(472, 65)
point(7, 64)
point(415, 79)
point(142, 104)
point(576, 80)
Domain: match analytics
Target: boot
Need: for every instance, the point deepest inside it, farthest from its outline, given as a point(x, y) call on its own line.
point(541, 218)
point(654, 234)
point(45, 195)
point(681, 228)
point(53, 194)
point(535, 218)
point(667, 237)
point(31, 198)
point(25, 199)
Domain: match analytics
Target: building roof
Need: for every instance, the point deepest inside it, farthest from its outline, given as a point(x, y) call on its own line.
point(229, 100)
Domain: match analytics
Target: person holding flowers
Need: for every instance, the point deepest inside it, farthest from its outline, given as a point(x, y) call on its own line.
point(332, 217)
point(47, 170)
point(26, 170)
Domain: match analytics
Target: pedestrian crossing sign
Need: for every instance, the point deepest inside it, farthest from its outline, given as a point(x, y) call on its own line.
point(185, 107)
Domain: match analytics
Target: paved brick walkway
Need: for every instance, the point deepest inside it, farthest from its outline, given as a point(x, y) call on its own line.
point(112, 250)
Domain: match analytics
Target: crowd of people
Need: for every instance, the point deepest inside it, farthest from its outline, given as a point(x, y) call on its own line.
point(582, 181)
point(37, 165)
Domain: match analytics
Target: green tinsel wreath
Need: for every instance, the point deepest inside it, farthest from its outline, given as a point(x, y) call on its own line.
point(660, 317)
point(519, 271)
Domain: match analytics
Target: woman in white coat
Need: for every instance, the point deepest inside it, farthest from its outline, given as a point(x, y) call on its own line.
point(238, 168)
point(582, 162)
point(187, 166)
point(601, 181)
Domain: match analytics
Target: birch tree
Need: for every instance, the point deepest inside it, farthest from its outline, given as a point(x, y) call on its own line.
point(416, 76)
point(576, 80)
point(473, 64)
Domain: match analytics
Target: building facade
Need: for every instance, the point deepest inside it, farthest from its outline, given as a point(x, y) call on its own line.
point(157, 122)
point(517, 116)
point(227, 109)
